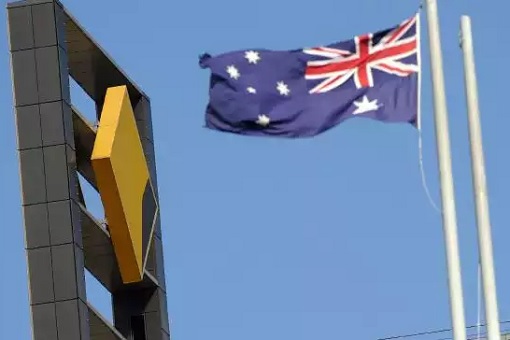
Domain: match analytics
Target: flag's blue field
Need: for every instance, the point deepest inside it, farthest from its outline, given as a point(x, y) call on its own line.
point(326, 238)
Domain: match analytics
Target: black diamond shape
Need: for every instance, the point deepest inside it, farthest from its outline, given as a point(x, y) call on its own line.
point(149, 214)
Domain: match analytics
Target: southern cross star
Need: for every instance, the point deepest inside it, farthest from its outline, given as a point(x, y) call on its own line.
point(233, 72)
point(283, 88)
point(252, 56)
point(365, 105)
point(263, 120)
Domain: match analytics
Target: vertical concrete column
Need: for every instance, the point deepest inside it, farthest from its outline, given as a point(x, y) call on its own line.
point(48, 170)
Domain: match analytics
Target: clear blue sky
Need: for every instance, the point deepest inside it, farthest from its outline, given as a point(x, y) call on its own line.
point(325, 238)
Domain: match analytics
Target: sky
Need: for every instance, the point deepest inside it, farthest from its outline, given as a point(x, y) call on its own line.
point(326, 238)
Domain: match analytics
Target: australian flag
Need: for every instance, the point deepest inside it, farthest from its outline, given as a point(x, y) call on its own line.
point(302, 93)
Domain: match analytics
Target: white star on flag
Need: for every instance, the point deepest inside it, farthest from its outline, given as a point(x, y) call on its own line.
point(282, 88)
point(263, 120)
point(365, 105)
point(233, 72)
point(252, 56)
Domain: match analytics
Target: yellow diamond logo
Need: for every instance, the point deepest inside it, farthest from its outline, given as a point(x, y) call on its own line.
point(123, 181)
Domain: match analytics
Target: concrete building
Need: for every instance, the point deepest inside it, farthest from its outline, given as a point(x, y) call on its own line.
point(56, 143)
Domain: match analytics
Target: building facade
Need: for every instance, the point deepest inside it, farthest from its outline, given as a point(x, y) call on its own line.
point(63, 239)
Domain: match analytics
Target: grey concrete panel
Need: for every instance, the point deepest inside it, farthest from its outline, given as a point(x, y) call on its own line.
point(157, 303)
point(68, 320)
point(35, 2)
point(52, 124)
point(64, 272)
point(21, 35)
point(45, 33)
point(56, 168)
point(61, 224)
point(151, 261)
point(77, 227)
point(48, 74)
point(40, 275)
point(160, 262)
point(80, 273)
point(153, 303)
point(165, 322)
point(150, 156)
point(100, 328)
point(84, 137)
point(74, 185)
point(148, 148)
point(28, 124)
point(32, 176)
point(24, 77)
point(154, 332)
point(155, 263)
point(149, 213)
point(143, 127)
point(57, 123)
point(68, 124)
point(60, 23)
point(157, 226)
point(37, 231)
point(81, 197)
point(84, 320)
point(153, 326)
point(143, 118)
point(44, 322)
point(64, 75)
point(165, 335)
point(14, 4)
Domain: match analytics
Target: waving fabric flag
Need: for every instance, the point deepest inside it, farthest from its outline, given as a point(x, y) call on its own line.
point(302, 93)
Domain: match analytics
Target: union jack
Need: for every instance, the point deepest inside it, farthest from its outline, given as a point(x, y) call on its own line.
point(386, 55)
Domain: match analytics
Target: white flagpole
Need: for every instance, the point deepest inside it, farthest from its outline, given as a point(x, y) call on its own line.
point(446, 177)
point(479, 183)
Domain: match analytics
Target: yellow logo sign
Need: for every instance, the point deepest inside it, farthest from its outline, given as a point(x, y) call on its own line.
point(124, 183)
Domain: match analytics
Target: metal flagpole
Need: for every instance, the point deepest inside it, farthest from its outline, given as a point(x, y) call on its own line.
point(446, 178)
point(479, 183)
